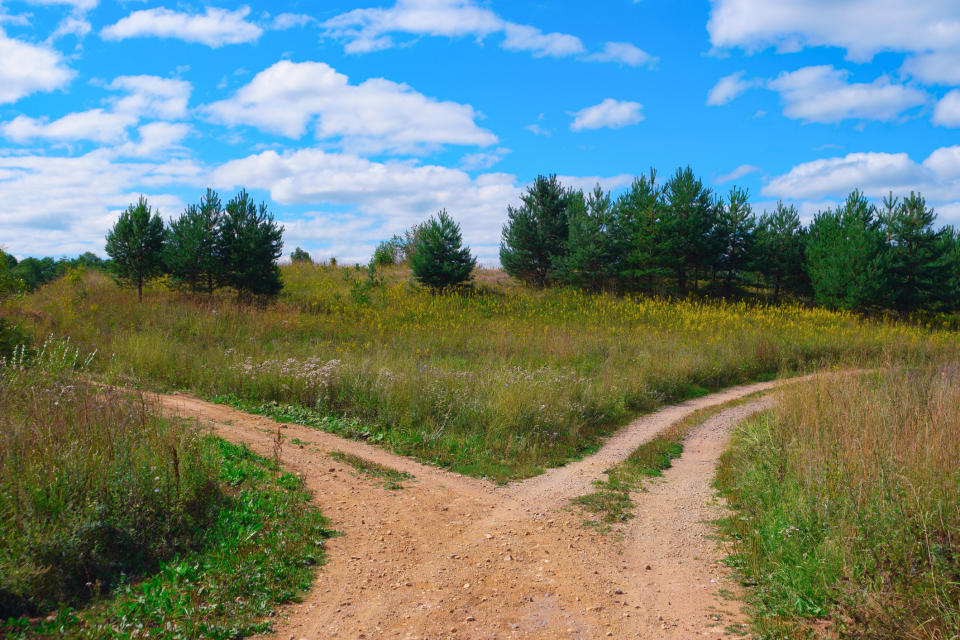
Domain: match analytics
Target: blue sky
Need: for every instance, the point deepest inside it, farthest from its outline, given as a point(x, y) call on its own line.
point(355, 120)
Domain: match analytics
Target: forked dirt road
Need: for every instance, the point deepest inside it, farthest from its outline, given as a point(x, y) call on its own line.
point(455, 557)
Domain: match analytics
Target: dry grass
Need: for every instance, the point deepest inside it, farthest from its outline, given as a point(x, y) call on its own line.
point(498, 381)
point(849, 495)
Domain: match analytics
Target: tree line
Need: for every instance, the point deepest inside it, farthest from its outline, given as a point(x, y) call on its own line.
point(680, 237)
point(210, 245)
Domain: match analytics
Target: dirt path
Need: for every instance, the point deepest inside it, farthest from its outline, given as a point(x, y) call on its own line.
point(456, 557)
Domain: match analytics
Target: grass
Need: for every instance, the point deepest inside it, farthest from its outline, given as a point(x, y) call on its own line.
point(612, 501)
point(117, 523)
point(847, 496)
point(392, 476)
point(498, 381)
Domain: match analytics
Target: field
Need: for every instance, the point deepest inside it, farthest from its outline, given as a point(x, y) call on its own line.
point(844, 494)
point(496, 381)
point(847, 494)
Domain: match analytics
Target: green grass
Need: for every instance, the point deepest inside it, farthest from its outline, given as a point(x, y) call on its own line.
point(847, 500)
point(612, 501)
point(498, 381)
point(392, 476)
point(259, 551)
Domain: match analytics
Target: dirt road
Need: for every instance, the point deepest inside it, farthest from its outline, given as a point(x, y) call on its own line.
point(456, 557)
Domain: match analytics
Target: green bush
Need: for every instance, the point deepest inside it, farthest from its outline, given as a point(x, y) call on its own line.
point(93, 485)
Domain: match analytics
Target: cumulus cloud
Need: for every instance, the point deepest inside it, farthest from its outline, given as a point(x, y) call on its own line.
point(947, 111)
point(28, 68)
point(728, 88)
point(624, 53)
point(152, 96)
point(482, 159)
point(64, 205)
point(95, 125)
point(375, 29)
point(928, 29)
point(610, 113)
point(375, 115)
point(214, 28)
point(875, 173)
point(736, 174)
point(390, 196)
point(822, 94)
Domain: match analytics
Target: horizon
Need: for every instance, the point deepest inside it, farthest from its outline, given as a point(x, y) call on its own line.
point(359, 119)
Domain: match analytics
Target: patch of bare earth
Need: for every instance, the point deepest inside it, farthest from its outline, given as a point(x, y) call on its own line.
point(456, 557)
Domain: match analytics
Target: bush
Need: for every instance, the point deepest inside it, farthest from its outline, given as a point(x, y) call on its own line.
point(11, 337)
point(93, 485)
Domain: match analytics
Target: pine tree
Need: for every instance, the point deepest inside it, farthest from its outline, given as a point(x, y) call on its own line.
point(534, 240)
point(136, 245)
point(637, 235)
point(688, 223)
point(735, 230)
point(440, 259)
point(779, 250)
point(916, 261)
point(248, 247)
point(191, 251)
point(951, 244)
point(844, 256)
point(591, 259)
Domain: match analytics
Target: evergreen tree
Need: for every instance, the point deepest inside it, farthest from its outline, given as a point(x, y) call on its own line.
point(591, 259)
point(951, 244)
point(191, 252)
point(248, 247)
point(440, 259)
point(735, 230)
point(916, 260)
point(135, 243)
point(636, 235)
point(844, 256)
point(534, 239)
point(779, 250)
point(299, 255)
point(689, 221)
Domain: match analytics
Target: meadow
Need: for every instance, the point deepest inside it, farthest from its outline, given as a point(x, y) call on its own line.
point(847, 499)
point(493, 380)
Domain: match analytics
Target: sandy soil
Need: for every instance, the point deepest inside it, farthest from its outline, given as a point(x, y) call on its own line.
point(456, 557)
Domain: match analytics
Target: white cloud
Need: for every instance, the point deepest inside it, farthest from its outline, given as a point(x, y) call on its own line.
point(624, 53)
point(79, 5)
point(875, 173)
point(728, 88)
point(156, 139)
point(822, 94)
point(214, 28)
point(375, 115)
point(152, 96)
point(521, 37)
point(28, 68)
point(736, 174)
point(947, 111)
point(71, 25)
point(95, 125)
point(930, 29)
point(610, 113)
point(537, 130)
point(389, 196)
point(64, 205)
point(482, 159)
point(285, 21)
point(367, 30)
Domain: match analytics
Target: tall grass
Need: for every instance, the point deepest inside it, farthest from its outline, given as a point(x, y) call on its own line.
point(93, 485)
point(848, 501)
point(497, 381)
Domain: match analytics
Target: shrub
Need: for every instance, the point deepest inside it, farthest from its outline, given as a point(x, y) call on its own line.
point(93, 485)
